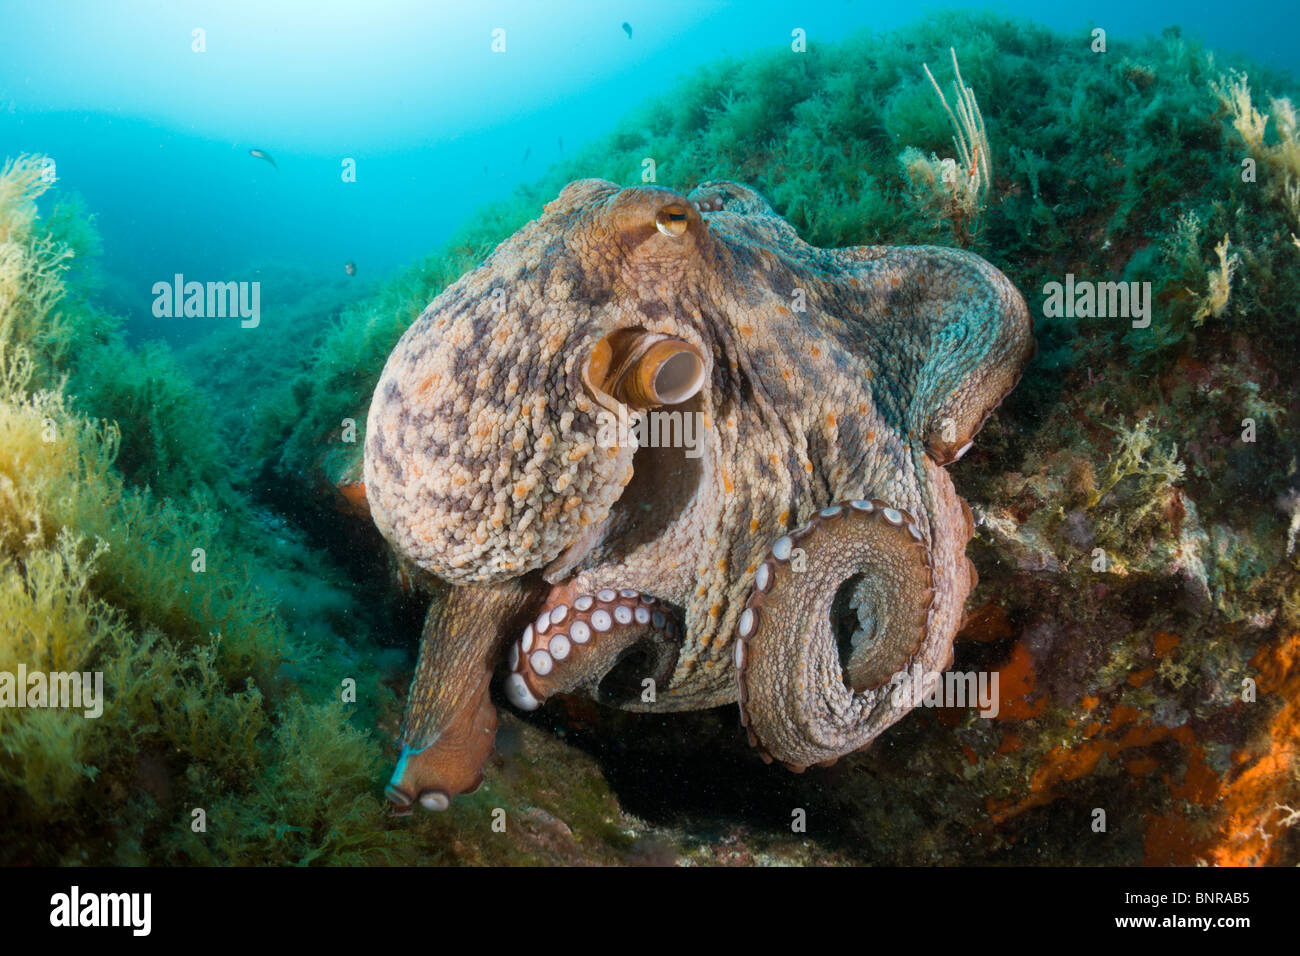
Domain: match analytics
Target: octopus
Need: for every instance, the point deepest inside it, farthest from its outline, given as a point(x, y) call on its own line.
point(807, 548)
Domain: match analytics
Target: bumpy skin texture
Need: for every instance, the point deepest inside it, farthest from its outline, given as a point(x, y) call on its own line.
point(831, 376)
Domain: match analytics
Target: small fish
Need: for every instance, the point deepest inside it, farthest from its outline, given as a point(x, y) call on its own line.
point(527, 153)
point(263, 154)
point(559, 141)
point(627, 28)
point(350, 267)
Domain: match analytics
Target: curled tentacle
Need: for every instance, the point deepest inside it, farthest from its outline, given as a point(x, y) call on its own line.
point(806, 697)
point(450, 723)
point(606, 643)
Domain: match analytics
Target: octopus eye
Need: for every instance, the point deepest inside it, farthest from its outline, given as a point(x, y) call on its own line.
point(672, 220)
point(644, 370)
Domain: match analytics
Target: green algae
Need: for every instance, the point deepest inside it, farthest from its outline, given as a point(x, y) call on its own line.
point(99, 573)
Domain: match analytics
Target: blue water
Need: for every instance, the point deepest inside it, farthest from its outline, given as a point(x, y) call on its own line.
point(155, 136)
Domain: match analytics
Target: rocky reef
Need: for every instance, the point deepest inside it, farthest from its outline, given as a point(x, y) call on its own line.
point(1136, 503)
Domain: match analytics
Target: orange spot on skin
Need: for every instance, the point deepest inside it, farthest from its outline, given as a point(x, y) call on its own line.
point(807, 466)
point(785, 517)
point(870, 375)
point(753, 525)
point(871, 434)
point(830, 420)
point(715, 611)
